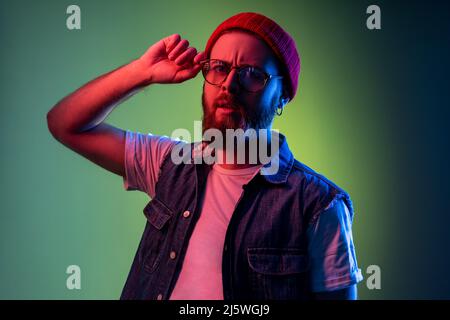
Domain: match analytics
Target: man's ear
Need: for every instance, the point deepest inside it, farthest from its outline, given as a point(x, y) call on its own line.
point(284, 97)
point(284, 101)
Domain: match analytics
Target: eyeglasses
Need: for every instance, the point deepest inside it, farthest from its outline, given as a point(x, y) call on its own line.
point(251, 79)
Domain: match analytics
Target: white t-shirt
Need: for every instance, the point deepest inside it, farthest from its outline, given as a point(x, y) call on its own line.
point(330, 248)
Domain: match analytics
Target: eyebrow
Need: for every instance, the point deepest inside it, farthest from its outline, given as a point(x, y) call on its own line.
point(242, 65)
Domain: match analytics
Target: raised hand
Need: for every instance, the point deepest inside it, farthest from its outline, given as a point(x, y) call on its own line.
point(171, 60)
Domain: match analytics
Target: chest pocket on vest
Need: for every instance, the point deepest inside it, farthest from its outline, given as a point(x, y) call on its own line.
point(278, 273)
point(156, 233)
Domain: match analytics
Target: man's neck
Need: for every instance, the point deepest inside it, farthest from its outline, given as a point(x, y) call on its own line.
point(244, 154)
point(236, 166)
point(237, 158)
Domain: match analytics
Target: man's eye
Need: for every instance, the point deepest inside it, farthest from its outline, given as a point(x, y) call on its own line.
point(219, 68)
point(254, 73)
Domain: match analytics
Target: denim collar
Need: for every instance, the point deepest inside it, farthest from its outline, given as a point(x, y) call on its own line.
point(283, 158)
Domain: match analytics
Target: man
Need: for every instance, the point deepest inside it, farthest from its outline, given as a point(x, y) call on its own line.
point(230, 229)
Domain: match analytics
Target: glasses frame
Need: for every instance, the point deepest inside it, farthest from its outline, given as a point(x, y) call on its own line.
point(267, 76)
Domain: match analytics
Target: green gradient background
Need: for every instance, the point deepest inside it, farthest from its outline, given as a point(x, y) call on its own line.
point(59, 209)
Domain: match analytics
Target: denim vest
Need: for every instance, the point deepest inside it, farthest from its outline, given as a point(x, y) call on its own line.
point(265, 251)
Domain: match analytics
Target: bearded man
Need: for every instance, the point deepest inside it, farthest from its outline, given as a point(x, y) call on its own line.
point(228, 229)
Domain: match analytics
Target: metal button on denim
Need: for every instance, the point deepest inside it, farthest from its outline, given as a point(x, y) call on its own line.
point(159, 297)
point(186, 214)
point(173, 255)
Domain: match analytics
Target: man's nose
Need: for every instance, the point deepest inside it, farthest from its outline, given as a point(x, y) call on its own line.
point(231, 83)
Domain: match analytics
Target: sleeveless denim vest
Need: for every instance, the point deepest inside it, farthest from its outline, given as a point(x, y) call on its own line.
point(265, 251)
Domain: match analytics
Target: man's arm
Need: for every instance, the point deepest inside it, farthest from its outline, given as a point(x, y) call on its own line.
point(334, 271)
point(77, 120)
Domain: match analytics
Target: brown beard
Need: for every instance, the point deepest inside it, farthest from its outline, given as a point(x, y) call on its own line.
point(244, 119)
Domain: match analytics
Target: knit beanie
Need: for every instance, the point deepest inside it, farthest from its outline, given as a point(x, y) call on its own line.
point(272, 34)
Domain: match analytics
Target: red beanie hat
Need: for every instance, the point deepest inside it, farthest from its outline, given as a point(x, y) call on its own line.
point(278, 40)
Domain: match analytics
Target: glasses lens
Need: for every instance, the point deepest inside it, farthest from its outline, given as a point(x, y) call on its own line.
point(215, 71)
point(252, 79)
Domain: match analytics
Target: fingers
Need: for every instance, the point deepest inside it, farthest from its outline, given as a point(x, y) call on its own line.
point(178, 50)
point(200, 57)
point(188, 73)
point(186, 57)
point(171, 42)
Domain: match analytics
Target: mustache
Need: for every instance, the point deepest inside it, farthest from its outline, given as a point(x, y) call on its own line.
point(226, 101)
